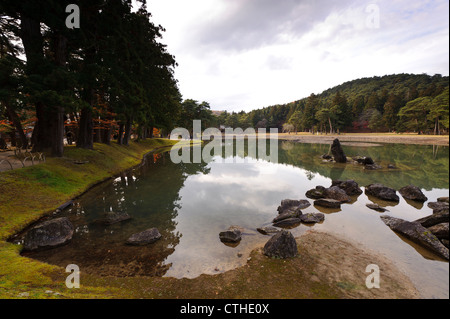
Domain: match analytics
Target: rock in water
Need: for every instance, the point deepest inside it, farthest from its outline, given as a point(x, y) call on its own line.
point(329, 203)
point(350, 187)
point(286, 215)
point(232, 235)
point(377, 207)
point(338, 153)
point(418, 234)
point(438, 207)
point(334, 192)
point(289, 222)
point(311, 218)
point(292, 205)
point(413, 193)
point(434, 219)
point(113, 218)
point(315, 193)
point(281, 245)
point(368, 161)
point(382, 192)
point(143, 238)
point(440, 230)
point(49, 234)
point(268, 230)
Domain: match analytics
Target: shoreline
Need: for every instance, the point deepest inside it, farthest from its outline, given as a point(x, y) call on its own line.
point(439, 140)
point(14, 267)
point(328, 266)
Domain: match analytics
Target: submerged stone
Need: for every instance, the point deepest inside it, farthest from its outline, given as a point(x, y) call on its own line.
point(111, 218)
point(143, 238)
point(377, 207)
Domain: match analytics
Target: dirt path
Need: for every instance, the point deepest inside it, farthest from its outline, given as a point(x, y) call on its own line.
point(8, 161)
point(369, 138)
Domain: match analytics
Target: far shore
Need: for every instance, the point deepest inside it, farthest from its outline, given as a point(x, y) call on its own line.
point(441, 140)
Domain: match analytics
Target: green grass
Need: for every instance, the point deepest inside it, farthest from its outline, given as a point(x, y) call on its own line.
point(29, 193)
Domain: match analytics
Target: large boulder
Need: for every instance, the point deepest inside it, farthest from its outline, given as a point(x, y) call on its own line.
point(434, 219)
point(418, 234)
point(49, 234)
point(143, 238)
point(336, 193)
point(382, 192)
point(413, 193)
point(350, 187)
point(338, 153)
point(281, 245)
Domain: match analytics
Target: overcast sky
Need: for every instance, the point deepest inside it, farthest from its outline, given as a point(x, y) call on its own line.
point(247, 54)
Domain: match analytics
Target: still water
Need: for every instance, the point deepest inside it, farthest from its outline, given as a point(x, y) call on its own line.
point(191, 204)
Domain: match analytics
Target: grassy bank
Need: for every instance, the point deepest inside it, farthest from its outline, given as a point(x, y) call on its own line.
point(29, 193)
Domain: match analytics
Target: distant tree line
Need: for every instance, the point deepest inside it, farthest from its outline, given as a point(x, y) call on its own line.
point(106, 79)
point(400, 103)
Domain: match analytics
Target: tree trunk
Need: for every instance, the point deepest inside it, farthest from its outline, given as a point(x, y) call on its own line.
point(85, 129)
point(42, 129)
point(57, 138)
point(30, 33)
point(106, 136)
point(127, 136)
point(120, 134)
point(13, 117)
point(58, 133)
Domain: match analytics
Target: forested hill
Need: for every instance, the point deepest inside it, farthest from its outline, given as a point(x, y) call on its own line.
point(400, 102)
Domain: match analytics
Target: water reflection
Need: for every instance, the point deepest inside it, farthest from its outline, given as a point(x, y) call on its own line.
point(150, 195)
point(191, 204)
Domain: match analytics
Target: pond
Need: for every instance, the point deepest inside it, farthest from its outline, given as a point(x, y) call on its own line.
point(191, 204)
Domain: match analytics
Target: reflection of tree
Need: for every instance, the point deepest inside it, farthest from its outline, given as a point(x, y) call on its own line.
point(150, 195)
point(422, 165)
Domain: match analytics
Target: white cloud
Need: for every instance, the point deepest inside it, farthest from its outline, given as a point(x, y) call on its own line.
point(247, 54)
